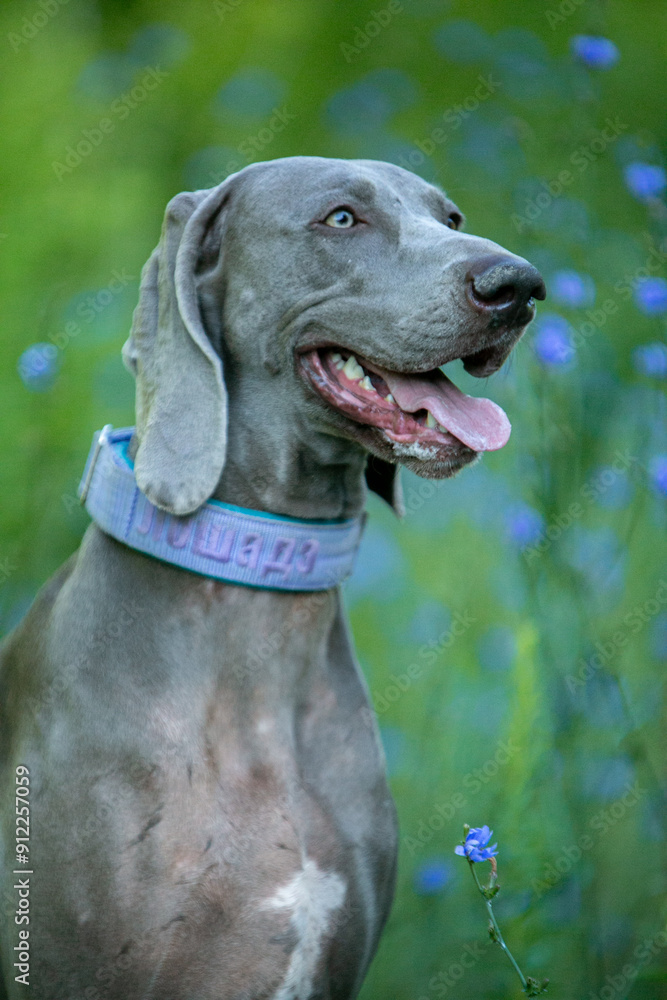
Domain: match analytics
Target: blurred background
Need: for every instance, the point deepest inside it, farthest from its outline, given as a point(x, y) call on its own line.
point(513, 628)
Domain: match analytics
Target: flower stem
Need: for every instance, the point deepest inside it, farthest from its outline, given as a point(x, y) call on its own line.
point(500, 939)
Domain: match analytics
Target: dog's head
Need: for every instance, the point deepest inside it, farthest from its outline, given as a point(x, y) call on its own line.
point(330, 292)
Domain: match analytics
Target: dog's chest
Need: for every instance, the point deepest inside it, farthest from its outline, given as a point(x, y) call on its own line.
point(263, 867)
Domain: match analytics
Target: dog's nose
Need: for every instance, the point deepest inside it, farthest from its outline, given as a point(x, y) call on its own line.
point(496, 284)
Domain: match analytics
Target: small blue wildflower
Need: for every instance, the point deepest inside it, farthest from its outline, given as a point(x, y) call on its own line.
point(645, 180)
point(658, 472)
point(431, 877)
point(474, 847)
point(594, 51)
point(552, 343)
point(651, 360)
point(523, 524)
point(651, 296)
point(38, 366)
point(569, 288)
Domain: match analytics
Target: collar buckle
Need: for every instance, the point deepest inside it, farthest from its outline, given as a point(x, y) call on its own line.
point(102, 439)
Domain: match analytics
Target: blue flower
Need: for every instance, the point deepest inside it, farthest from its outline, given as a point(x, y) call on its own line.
point(431, 877)
point(552, 343)
point(594, 51)
point(651, 360)
point(474, 848)
point(645, 181)
point(651, 296)
point(658, 471)
point(569, 288)
point(38, 366)
point(523, 524)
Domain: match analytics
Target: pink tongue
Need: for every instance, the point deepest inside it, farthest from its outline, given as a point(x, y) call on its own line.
point(478, 423)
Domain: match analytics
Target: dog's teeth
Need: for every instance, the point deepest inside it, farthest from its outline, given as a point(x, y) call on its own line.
point(353, 369)
point(430, 420)
point(389, 399)
point(443, 429)
point(367, 384)
point(339, 365)
point(336, 357)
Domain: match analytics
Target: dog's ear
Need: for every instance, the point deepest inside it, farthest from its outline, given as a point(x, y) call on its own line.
point(384, 479)
point(181, 401)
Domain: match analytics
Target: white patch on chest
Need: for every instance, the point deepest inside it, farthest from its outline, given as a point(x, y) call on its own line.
point(312, 896)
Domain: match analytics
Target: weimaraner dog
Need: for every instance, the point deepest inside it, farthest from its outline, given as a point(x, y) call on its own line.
point(208, 810)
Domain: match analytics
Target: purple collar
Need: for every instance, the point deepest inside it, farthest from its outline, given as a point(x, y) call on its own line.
point(219, 540)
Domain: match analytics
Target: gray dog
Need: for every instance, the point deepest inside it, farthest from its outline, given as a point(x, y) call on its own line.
point(209, 814)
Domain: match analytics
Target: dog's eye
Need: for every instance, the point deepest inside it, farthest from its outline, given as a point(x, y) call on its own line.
point(341, 218)
point(454, 220)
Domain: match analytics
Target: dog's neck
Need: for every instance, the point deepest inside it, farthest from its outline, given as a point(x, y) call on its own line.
point(285, 471)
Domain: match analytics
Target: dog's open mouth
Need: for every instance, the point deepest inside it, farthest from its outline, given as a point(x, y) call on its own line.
point(419, 409)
